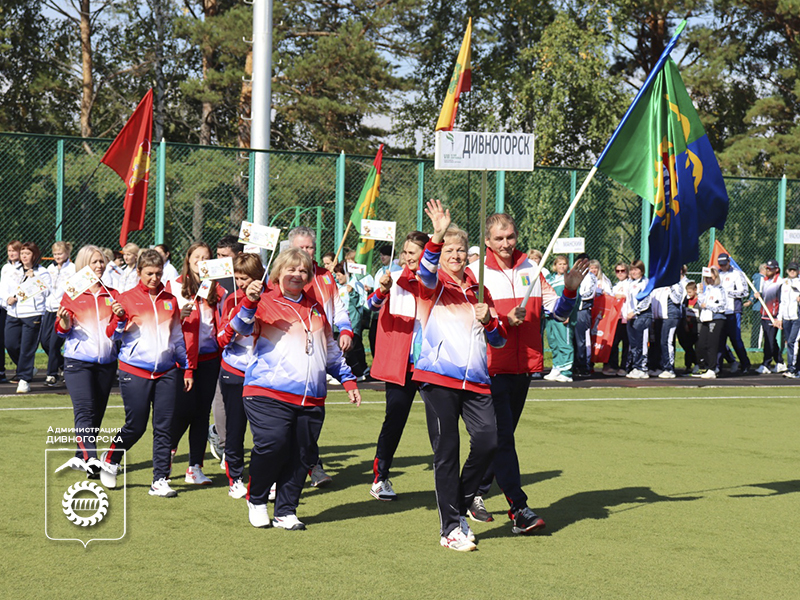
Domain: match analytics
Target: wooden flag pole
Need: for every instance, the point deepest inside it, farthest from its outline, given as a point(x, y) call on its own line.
point(481, 242)
point(341, 244)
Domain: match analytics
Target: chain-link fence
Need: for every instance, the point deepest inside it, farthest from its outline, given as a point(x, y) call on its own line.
point(48, 192)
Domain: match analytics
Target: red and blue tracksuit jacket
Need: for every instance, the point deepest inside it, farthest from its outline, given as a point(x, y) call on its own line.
point(294, 348)
point(152, 340)
point(325, 292)
point(86, 340)
point(200, 327)
point(237, 349)
point(454, 344)
point(522, 352)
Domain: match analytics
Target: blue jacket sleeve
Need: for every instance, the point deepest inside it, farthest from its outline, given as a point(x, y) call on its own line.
point(243, 322)
point(429, 265)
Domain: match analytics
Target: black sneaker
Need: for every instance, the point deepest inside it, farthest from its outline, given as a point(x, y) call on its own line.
point(477, 511)
point(524, 520)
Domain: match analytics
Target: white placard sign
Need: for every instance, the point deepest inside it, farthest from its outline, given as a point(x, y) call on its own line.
point(356, 269)
point(219, 268)
point(80, 282)
point(480, 151)
point(569, 245)
point(378, 230)
point(259, 235)
point(30, 288)
point(791, 236)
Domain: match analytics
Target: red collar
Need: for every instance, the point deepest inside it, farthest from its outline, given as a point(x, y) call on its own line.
point(142, 287)
point(468, 276)
point(517, 258)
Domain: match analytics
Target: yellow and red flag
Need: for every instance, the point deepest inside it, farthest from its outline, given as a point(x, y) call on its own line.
point(129, 157)
point(461, 81)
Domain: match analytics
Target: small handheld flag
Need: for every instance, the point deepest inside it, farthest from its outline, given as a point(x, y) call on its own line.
point(218, 268)
point(80, 282)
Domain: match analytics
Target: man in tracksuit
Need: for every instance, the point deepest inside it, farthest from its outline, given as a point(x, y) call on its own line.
point(735, 286)
point(507, 275)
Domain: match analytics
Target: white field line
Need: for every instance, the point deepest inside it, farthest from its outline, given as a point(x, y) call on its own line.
point(381, 402)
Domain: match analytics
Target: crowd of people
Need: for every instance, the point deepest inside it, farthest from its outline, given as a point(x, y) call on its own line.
point(261, 350)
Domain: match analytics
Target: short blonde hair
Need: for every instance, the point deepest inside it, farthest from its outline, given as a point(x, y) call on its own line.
point(132, 248)
point(291, 257)
point(63, 246)
point(456, 234)
point(148, 258)
point(85, 254)
point(714, 276)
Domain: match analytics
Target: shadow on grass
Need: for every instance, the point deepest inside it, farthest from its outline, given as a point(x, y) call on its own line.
point(374, 508)
point(596, 504)
point(778, 488)
point(360, 474)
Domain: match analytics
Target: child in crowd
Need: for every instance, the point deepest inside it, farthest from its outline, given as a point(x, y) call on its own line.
point(687, 331)
point(559, 335)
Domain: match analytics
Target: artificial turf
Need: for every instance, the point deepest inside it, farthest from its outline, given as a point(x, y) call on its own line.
point(647, 493)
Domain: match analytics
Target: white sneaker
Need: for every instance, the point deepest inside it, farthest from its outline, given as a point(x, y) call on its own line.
point(456, 540)
point(273, 492)
point(637, 374)
point(790, 375)
point(222, 464)
point(319, 478)
point(763, 370)
point(237, 490)
point(214, 446)
point(551, 376)
point(779, 368)
point(23, 387)
point(332, 380)
point(382, 490)
point(734, 367)
point(710, 374)
point(465, 529)
point(666, 375)
point(622, 373)
point(108, 472)
point(259, 517)
point(194, 474)
point(289, 522)
point(563, 378)
point(161, 488)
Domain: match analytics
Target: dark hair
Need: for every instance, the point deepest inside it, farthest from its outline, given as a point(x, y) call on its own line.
point(339, 268)
point(37, 254)
point(330, 255)
point(164, 247)
point(190, 282)
point(692, 285)
point(232, 242)
point(249, 264)
point(15, 244)
point(385, 250)
point(582, 255)
point(149, 258)
point(637, 264)
point(117, 254)
point(418, 238)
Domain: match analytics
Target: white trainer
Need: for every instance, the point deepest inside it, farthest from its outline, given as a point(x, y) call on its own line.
point(161, 488)
point(108, 472)
point(779, 368)
point(710, 374)
point(666, 375)
point(23, 387)
point(456, 540)
point(763, 370)
point(237, 490)
point(465, 529)
point(194, 474)
point(289, 522)
point(551, 376)
point(273, 492)
point(561, 378)
point(259, 517)
point(382, 490)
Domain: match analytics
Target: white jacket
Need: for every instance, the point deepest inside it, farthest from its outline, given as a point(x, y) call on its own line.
point(790, 292)
point(32, 307)
point(58, 278)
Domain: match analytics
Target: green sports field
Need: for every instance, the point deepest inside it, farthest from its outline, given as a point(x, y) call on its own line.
point(647, 493)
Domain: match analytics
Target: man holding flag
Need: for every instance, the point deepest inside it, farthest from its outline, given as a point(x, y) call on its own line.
point(735, 285)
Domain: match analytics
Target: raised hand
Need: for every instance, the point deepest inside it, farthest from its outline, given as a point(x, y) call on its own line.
point(440, 219)
point(386, 283)
point(254, 290)
point(572, 280)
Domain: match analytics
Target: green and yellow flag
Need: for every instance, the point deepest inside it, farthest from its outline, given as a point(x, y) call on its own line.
point(365, 208)
point(461, 81)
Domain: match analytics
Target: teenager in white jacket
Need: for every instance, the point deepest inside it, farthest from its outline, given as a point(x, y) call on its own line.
point(61, 270)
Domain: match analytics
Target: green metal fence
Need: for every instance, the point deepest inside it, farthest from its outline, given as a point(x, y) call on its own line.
point(200, 192)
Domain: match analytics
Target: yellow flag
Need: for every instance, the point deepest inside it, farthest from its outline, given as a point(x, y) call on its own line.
point(461, 81)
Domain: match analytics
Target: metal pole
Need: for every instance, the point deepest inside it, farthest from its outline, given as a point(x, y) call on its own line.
point(59, 191)
point(712, 237)
point(261, 107)
point(420, 193)
point(161, 191)
point(251, 176)
point(573, 186)
point(499, 192)
point(781, 221)
point(339, 231)
point(481, 243)
point(319, 233)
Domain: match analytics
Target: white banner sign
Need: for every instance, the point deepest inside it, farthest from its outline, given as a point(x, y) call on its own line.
point(791, 236)
point(259, 235)
point(569, 245)
point(30, 288)
point(356, 269)
point(378, 230)
point(80, 282)
point(219, 268)
point(478, 151)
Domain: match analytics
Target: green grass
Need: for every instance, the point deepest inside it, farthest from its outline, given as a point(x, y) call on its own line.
point(647, 493)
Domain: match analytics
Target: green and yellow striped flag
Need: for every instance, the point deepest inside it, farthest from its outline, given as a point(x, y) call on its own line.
point(365, 208)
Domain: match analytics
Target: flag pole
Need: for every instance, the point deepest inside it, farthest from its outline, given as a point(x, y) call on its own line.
point(341, 244)
point(659, 64)
point(482, 242)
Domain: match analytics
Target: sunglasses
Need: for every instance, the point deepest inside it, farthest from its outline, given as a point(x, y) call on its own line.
point(620, 270)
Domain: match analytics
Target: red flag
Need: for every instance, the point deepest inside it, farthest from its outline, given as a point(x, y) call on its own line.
point(605, 317)
point(129, 157)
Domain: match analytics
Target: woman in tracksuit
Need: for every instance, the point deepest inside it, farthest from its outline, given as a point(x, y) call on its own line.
point(671, 311)
point(8, 270)
point(24, 318)
point(236, 353)
point(90, 357)
point(285, 387)
point(711, 302)
point(200, 324)
point(397, 344)
point(639, 321)
point(452, 370)
point(789, 317)
point(61, 270)
point(147, 321)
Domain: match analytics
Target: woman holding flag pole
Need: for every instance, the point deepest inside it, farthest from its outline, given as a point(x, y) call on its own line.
point(197, 301)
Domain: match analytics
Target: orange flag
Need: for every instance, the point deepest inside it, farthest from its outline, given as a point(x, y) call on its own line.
point(129, 157)
point(715, 252)
point(461, 81)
